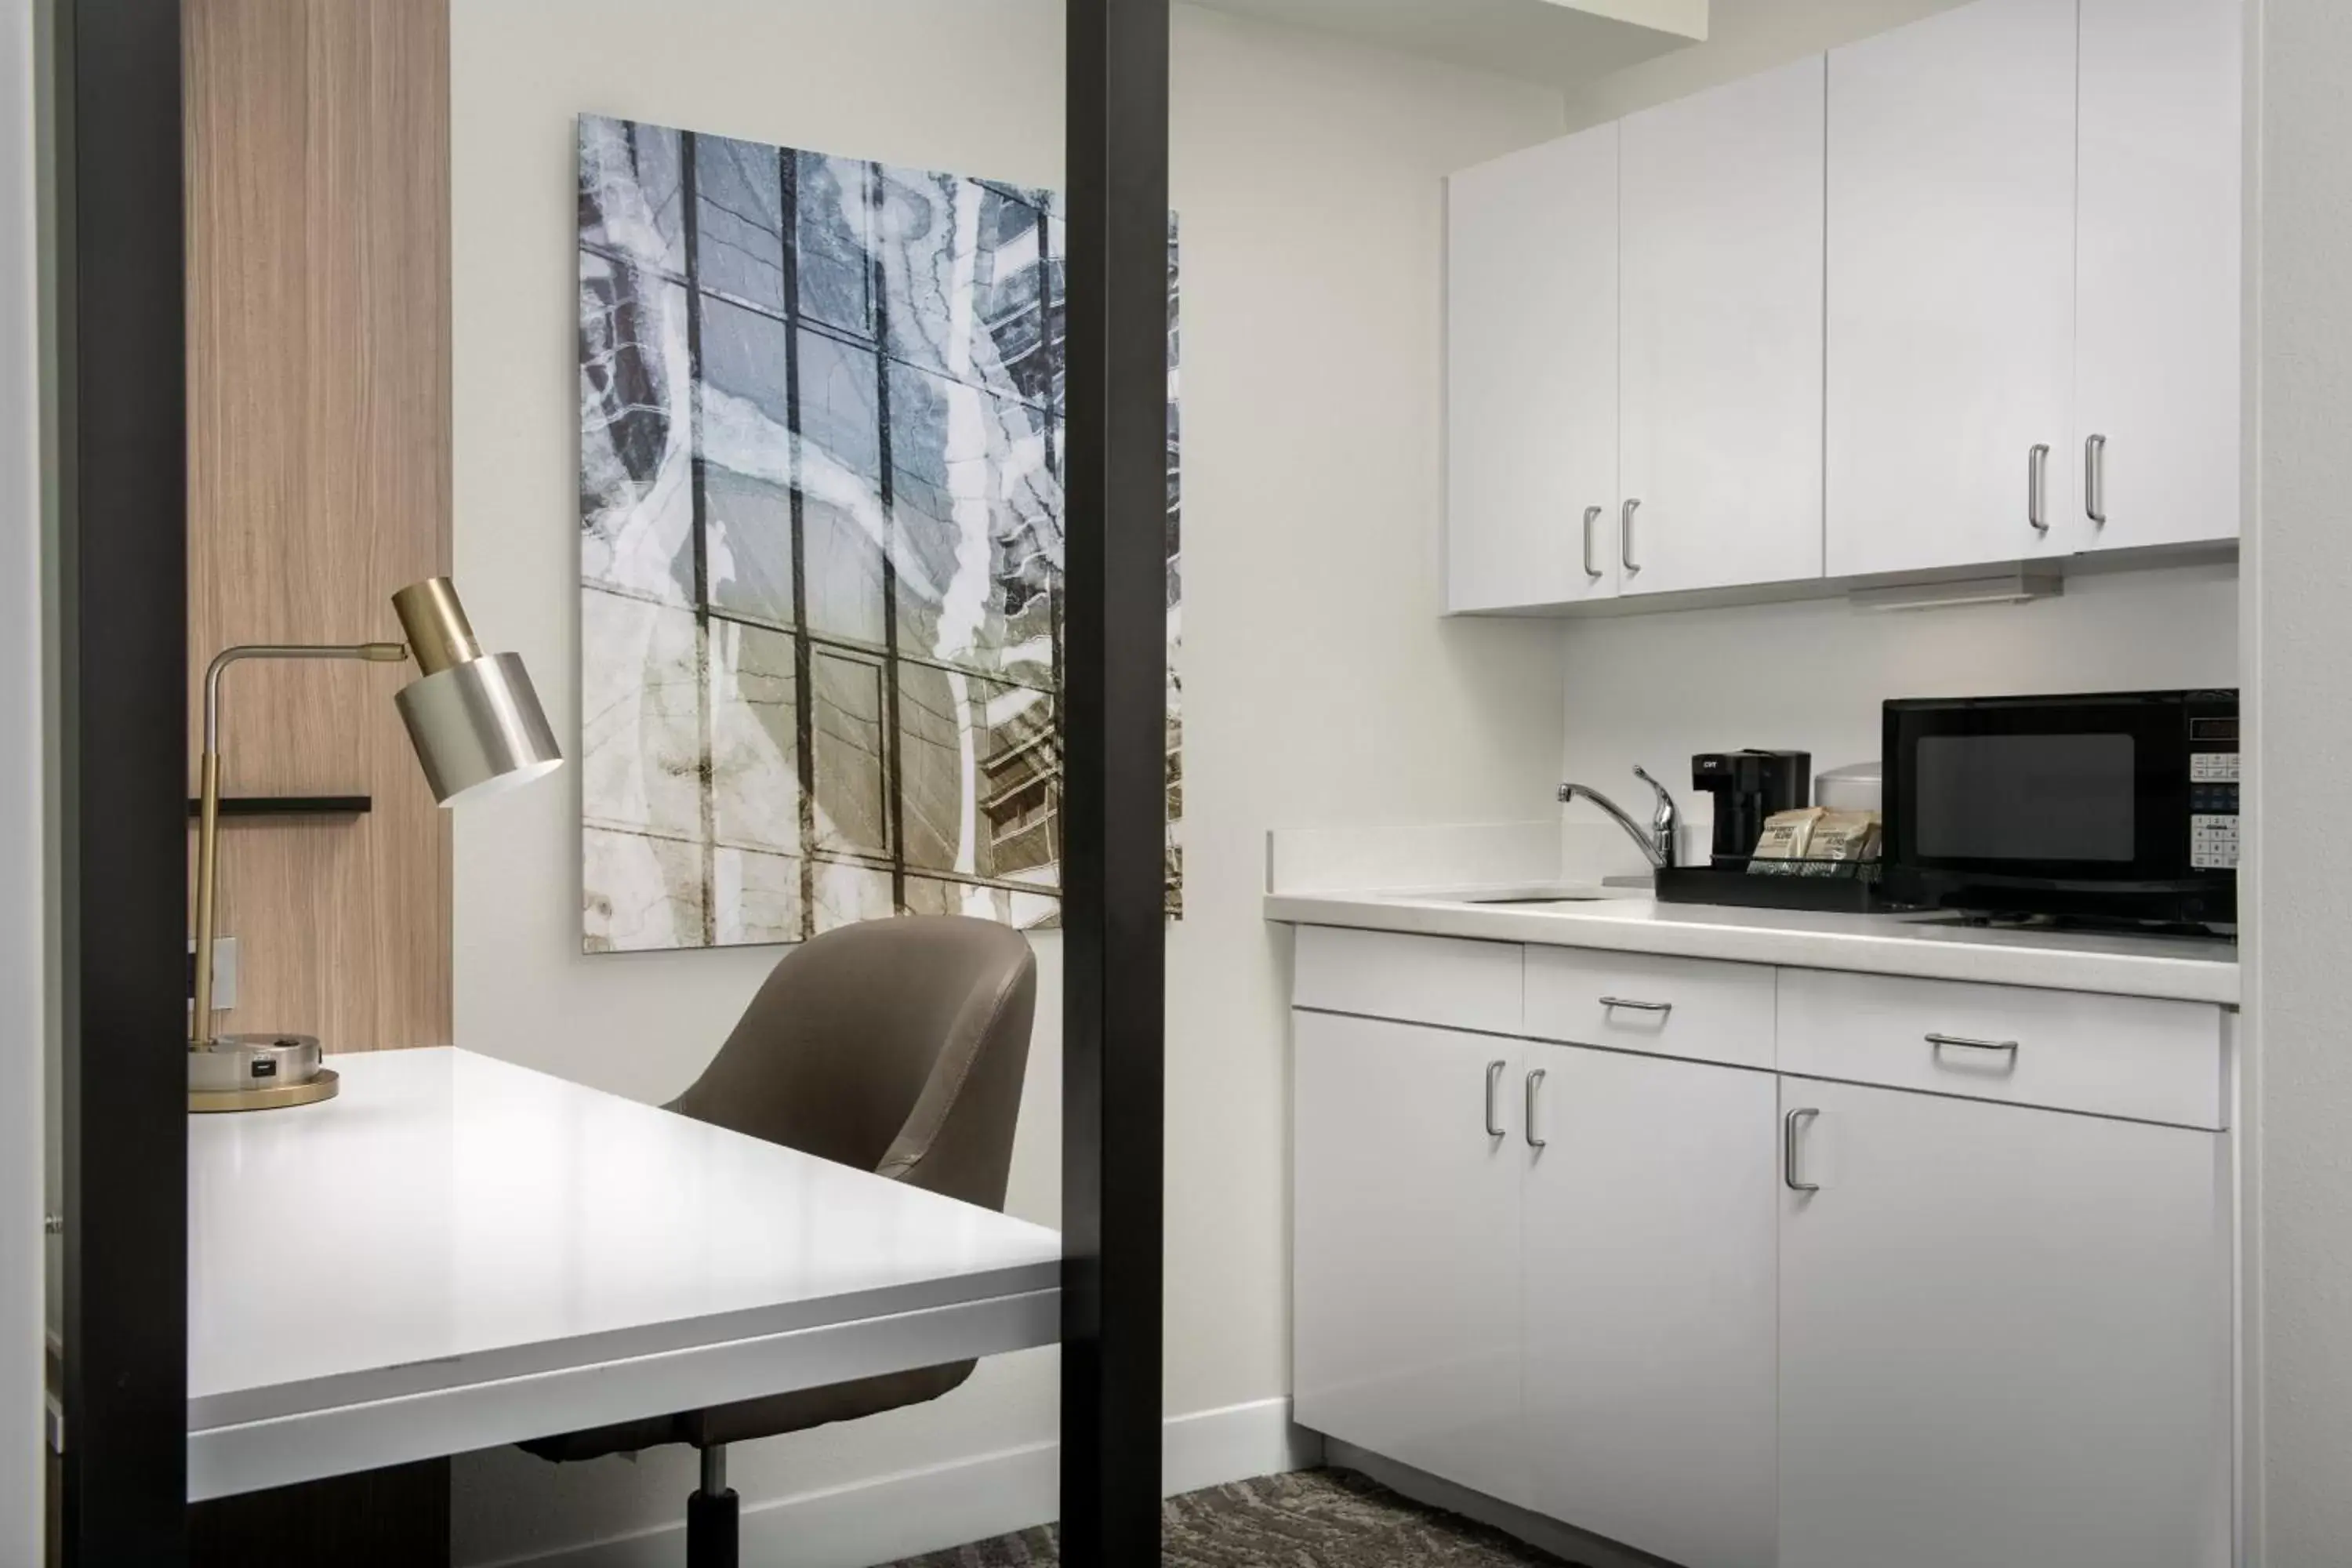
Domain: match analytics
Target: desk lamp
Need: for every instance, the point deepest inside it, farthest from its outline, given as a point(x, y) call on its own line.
point(477, 729)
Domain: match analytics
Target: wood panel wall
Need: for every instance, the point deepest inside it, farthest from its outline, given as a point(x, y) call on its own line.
point(318, 213)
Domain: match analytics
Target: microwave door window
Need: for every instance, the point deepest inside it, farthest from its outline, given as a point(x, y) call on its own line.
point(2022, 797)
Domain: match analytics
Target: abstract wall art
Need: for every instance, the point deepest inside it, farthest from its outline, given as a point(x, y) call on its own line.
point(820, 448)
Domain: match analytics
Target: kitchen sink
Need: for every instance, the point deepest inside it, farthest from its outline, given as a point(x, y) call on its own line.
point(1538, 899)
point(1536, 896)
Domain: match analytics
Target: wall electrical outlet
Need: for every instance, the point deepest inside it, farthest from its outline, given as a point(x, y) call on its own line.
point(223, 974)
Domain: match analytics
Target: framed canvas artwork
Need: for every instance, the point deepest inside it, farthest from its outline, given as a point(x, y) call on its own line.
point(820, 543)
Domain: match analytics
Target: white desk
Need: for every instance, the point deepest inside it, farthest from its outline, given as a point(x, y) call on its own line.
point(457, 1253)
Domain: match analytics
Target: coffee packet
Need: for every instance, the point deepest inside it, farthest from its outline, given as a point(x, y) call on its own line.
point(1840, 841)
point(1786, 839)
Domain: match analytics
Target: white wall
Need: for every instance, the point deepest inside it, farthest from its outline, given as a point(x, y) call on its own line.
point(2299, 605)
point(1810, 675)
point(1321, 684)
point(1744, 37)
point(22, 1026)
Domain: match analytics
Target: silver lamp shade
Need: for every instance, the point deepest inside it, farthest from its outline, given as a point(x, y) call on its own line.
point(477, 729)
point(473, 716)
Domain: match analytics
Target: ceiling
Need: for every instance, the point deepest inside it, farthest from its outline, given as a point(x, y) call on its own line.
point(1561, 43)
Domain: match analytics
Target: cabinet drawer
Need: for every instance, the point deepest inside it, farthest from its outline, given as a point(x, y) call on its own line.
point(2110, 1056)
point(1666, 1006)
point(1420, 978)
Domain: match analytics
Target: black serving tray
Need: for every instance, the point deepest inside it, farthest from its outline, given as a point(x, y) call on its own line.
point(1843, 886)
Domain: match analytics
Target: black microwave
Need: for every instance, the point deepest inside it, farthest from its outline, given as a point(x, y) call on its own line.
point(2121, 806)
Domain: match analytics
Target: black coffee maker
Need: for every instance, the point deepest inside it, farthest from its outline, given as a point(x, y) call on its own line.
point(1749, 787)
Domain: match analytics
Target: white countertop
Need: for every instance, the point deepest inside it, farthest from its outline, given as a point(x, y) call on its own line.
point(1930, 947)
point(457, 1252)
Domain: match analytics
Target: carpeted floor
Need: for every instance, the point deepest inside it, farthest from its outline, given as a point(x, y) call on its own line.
point(1317, 1519)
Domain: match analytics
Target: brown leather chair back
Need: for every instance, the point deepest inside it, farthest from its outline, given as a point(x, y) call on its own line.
point(896, 1045)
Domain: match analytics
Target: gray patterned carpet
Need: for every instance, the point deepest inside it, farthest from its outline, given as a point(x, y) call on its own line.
point(1318, 1519)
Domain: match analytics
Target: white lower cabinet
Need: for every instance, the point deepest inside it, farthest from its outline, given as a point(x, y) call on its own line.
point(1405, 1272)
point(1647, 1219)
point(1740, 1318)
point(2004, 1337)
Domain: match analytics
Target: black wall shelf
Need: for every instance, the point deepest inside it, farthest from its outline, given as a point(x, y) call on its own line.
point(287, 806)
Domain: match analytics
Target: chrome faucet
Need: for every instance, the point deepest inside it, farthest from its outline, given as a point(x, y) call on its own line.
point(1658, 843)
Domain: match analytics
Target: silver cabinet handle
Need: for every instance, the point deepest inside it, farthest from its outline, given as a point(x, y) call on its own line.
point(1963, 1043)
point(1789, 1126)
point(1592, 516)
point(1610, 1003)
point(1625, 537)
point(1534, 1079)
point(1494, 1077)
point(2037, 473)
point(2094, 480)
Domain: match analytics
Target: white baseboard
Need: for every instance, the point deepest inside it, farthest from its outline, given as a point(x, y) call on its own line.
point(916, 1511)
point(1211, 1447)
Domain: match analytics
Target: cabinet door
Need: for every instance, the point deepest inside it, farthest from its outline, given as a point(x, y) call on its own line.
point(1405, 1286)
point(1648, 1247)
point(2004, 1337)
point(2157, 270)
point(1951, 289)
point(1720, 343)
point(1531, 376)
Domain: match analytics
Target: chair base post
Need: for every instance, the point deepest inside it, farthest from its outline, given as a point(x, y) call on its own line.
point(713, 1531)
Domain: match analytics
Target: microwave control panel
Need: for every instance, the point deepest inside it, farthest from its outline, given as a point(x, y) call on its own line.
point(2213, 793)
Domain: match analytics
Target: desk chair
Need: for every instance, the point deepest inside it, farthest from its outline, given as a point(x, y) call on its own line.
point(899, 1046)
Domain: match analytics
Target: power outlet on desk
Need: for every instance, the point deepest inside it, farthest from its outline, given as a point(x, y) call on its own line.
point(224, 974)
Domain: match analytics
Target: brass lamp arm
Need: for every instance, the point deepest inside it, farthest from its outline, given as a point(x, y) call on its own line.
point(200, 1018)
point(374, 652)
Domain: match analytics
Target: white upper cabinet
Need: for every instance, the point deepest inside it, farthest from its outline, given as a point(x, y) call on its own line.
point(2157, 272)
point(1951, 290)
point(1962, 295)
point(1532, 357)
point(1719, 343)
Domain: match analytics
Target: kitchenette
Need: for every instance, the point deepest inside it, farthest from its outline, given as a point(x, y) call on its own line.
point(1741, 1236)
point(1823, 1140)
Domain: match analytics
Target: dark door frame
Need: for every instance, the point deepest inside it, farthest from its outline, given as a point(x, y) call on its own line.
point(122, 608)
point(1115, 799)
point(121, 323)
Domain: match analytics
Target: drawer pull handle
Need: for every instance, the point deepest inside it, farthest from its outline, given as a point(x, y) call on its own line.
point(1612, 1003)
point(1494, 1078)
point(1962, 1042)
point(1535, 1080)
point(1791, 1125)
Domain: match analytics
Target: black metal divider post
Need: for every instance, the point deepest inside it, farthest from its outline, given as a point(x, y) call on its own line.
point(1115, 800)
point(123, 600)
